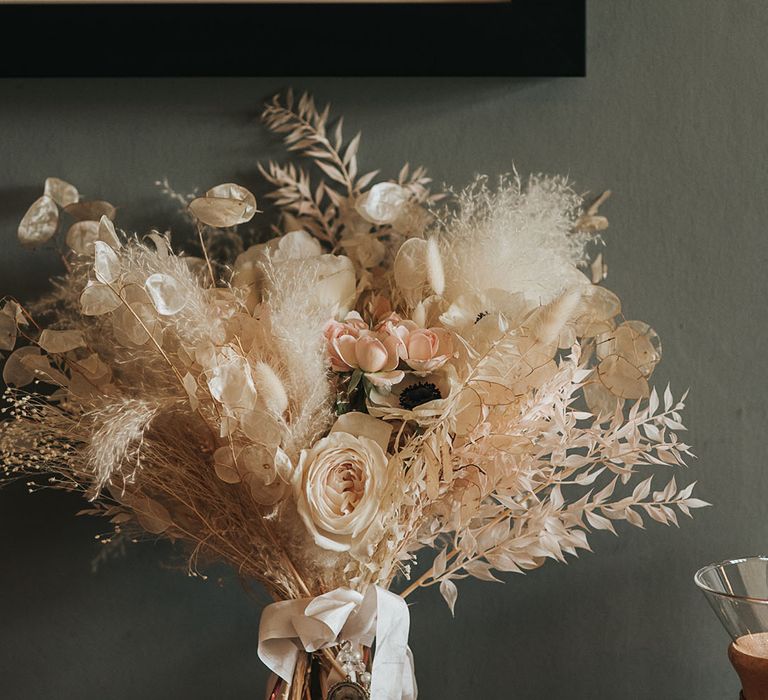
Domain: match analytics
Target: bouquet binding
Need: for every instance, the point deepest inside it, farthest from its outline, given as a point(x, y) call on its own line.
point(394, 372)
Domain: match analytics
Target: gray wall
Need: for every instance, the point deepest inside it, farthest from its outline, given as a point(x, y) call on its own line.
point(672, 118)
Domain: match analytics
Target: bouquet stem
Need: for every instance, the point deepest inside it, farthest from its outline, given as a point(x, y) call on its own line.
point(300, 678)
point(310, 681)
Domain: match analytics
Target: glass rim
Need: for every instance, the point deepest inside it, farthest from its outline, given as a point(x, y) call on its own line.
point(697, 578)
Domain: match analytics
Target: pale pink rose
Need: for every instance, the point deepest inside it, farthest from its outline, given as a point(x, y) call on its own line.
point(355, 320)
point(352, 345)
point(371, 354)
point(393, 320)
point(397, 328)
point(341, 340)
point(422, 349)
point(378, 358)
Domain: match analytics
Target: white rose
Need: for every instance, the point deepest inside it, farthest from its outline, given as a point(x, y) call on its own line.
point(336, 281)
point(340, 484)
point(334, 274)
point(383, 203)
point(368, 250)
point(295, 245)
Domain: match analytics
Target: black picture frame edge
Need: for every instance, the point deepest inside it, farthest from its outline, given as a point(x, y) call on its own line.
point(518, 38)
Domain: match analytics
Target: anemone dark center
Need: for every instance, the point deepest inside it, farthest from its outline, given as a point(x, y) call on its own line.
point(417, 394)
point(481, 316)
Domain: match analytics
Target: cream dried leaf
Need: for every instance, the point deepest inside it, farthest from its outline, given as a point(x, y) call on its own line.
point(450, 593)
point(15, 372)
point(224, 206)
point(600, 400)
point(258, 471)
point(264, 495)
point(161, 243)
point(82, 235)
point(14, 310)
point(135, 322)
point(224, 465)
point(411, 264)
point(107, 233)
point(468, 412)
point(40, 366)
point(8, 332)
point(61, 191)
point(152, 516)
point(596, 311)
point(598, 269)
point(94, 369)
point(106, 265)
point(40, 222)
point(60, 341)
point(166, 293)
point(511, 444)
point(91, 211)
point(622, 378)
point(494, 393)
point(190, 386)
point(98, 299)
point(260, 427)
point(634, 341)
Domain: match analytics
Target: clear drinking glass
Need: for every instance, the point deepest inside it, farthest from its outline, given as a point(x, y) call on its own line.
point(737, 590)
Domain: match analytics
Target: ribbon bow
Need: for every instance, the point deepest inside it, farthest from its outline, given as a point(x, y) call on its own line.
point(343, 614)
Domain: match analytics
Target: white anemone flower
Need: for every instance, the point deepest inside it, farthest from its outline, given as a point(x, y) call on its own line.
point(421, 398)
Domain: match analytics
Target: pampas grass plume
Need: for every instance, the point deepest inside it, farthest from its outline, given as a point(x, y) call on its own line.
point(270, 389)
point(435, 271)
point(551, 319)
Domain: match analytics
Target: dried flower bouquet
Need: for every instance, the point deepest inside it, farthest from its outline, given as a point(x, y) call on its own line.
point(391, 381)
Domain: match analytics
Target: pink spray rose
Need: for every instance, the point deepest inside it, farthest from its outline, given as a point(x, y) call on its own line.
point(352, 345)
point(422, 349)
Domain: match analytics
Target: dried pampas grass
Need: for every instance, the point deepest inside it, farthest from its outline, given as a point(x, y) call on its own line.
point(518, 237)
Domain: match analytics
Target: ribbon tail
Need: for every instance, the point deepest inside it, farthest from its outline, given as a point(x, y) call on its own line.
point(392, 675)
point(277, 649)
point(410, 689)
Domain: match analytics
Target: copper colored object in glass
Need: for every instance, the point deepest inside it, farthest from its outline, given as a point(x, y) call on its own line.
point(749, 656)
point(737, 590)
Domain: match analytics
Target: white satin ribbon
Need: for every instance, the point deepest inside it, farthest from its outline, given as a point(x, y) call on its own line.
point(343, 615)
